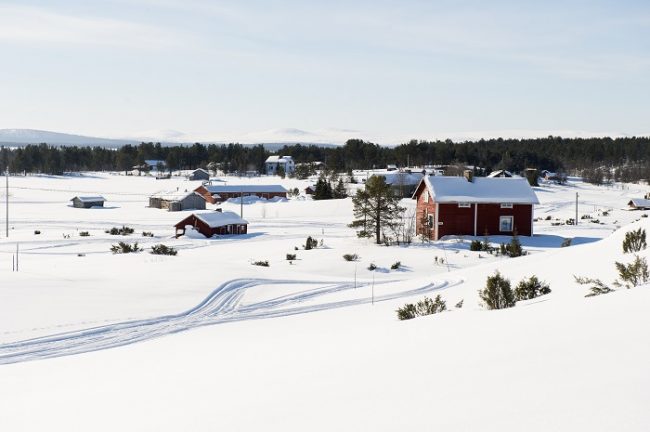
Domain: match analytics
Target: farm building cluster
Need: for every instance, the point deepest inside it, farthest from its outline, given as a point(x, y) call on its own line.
point(501, 203)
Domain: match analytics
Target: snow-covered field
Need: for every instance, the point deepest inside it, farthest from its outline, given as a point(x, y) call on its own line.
point(301, 345)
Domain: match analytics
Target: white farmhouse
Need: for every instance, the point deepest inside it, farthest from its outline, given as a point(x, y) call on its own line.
point(273, 162)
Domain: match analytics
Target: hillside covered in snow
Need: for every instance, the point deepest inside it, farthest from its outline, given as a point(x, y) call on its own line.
point(206, 340)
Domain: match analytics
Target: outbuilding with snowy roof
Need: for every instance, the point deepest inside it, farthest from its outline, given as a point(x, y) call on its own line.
point(177, 200)
point(88, 201)
point(213, 223)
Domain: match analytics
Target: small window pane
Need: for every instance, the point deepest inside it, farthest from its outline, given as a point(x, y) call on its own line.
point(505, 223)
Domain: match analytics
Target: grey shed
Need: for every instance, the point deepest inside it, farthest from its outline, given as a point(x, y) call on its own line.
point(88, 201)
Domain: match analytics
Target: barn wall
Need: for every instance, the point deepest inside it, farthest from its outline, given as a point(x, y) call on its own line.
point(488, 219)
point(455, 220)
point(193, 202)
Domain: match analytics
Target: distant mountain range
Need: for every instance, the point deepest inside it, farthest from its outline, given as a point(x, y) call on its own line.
point(272, 139)
point(22, 137)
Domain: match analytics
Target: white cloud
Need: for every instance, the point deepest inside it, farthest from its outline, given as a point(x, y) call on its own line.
point(38, 25)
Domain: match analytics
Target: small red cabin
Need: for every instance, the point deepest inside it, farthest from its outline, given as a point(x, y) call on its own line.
point(211, 223)
point(474, 206)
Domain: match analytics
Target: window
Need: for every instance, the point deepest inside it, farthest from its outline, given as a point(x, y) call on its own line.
point(505, 223)
point(464, 205)
point(430, 220)
point(506, 205)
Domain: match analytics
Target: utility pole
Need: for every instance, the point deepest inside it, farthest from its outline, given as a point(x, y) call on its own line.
point(7, 201)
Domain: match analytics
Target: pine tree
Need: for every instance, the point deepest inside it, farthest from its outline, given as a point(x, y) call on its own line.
point(375, 208)
point(497, 293)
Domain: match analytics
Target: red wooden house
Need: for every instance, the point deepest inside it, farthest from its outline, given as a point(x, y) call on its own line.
point(211, 223)
point(474, 206)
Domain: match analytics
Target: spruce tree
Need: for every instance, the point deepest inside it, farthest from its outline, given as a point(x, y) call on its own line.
point(339, 190)
point(323, 189)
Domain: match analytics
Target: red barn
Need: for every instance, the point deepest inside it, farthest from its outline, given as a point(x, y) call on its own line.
point(474, 206)
point(211, 223)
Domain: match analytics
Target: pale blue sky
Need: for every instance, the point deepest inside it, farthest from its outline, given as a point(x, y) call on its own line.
point(381, 70)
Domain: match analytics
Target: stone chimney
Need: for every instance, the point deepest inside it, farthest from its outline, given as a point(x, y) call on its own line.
point(469, 175)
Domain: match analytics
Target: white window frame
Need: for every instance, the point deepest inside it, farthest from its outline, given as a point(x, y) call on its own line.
point(502, 219)
point(464, 205)
point(506, 205)
point(425, 196)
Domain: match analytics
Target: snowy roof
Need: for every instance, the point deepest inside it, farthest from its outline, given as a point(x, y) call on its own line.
point(400, 178)
point(245, 189)
point(500, 173)
point(90, 198)
point(216, 219)
point(447, 189)
point(200, 170)
point(639, 202)
point(173, 195)
point(278, 159)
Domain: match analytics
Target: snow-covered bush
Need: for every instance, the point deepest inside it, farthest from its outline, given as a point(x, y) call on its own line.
point(406, 312)
point(597, 287)
point(291, 257)
point(475, 246)
point(530, 288)
point(37, 232)
point(459, 304)
point(497, 293)
point(122, 247)
point(512, 249)
point(125, 230)
point(147, 234)
point(634, 241)
point(396, 265)
point(425, 306)
point(161, 249)
point(311, 243)
point(633, 274)
point(84, 234)
point(372, 267)
point(350, 257)
point(566, 242)
point(261, 263)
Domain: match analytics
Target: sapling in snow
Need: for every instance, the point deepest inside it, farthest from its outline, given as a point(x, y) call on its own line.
point(497, 293)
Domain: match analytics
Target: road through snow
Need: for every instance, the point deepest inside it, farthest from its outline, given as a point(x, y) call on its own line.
point(221, 306)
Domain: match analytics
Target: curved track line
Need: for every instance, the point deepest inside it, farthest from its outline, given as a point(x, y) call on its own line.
point(221, 306)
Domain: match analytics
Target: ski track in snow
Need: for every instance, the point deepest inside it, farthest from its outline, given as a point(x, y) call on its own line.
point(221, 306)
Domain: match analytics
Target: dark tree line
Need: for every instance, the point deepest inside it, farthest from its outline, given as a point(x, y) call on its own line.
point(630, 157)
